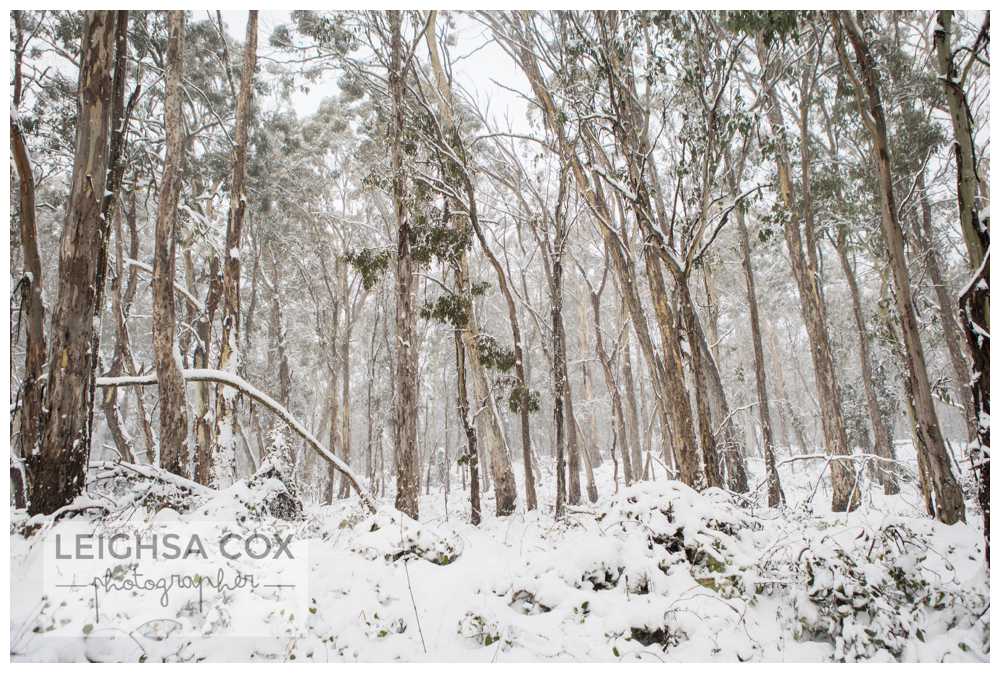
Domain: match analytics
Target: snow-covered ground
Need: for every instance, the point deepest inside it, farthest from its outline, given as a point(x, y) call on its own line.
point(655, 572)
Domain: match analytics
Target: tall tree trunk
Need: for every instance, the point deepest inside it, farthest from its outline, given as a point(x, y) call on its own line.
point(592, 439)
point(471, 457)
point(124, 337)
point(559, 378)
point(634, 428)
point(713, 472)
point(407, 460)
point(621, 437)
point(32, 393)
point(885, 471)
point(976, 243)
point(223, 469)
point(109, 400)
point(946, 311)
point(173, 400)
point(775, 495)
point(345, 382)
point(499, 457)
point(331, 336)
point(204, 423)
point(975, 299)
point(948, 506)
point(807, 278)
point(486, 421)
point(685, 446)
point(57, 469)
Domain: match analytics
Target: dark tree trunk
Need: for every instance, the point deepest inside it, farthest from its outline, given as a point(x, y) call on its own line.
point(57, 471)
point(948, 503)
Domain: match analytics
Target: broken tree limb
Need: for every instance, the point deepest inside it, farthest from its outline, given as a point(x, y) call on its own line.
point(225, 378)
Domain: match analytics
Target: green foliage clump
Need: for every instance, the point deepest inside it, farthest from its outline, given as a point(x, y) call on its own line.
point(493, 355)
point(430, 240)
point(450, 309)
point(523, 395)
point(371, 263)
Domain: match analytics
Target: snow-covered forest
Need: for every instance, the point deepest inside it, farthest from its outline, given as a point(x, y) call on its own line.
point(580, 336)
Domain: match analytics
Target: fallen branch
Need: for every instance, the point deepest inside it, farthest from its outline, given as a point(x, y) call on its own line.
point(830, 458)
point(225, 378)
point(852, 456)
point(153, 472)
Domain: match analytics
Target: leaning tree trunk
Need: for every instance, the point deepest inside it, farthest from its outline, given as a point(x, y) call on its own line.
point(486, 421)
point(32, 391)
point(807, 278)
point(223, 469)
point(57, 469)
point(948, 503)
point(946, 311)
point(617, 409)
point(173, 401)
point(975, 300)
point(885, 470)
point(775, 495)
point(457, 165)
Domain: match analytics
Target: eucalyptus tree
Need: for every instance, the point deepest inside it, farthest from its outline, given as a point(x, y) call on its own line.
point(174, 451)
point(223, 458)
point(972, 192)
point(771, 35)
point(57, 467)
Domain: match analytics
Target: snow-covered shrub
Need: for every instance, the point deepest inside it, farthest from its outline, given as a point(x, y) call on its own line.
point(387, 539)
point(698, 530)
point(875, 597)
point(483, 630)
point(273, 491)
point(663, 636)
point(527, 603)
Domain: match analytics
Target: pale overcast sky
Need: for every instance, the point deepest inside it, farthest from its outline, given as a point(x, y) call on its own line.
point(476, 72)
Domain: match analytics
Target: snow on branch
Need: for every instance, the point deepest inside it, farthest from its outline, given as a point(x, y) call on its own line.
point(153, 472)
point(191, 299)
point(234, 381)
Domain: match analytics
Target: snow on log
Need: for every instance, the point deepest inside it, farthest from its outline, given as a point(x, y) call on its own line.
point(232, 380)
